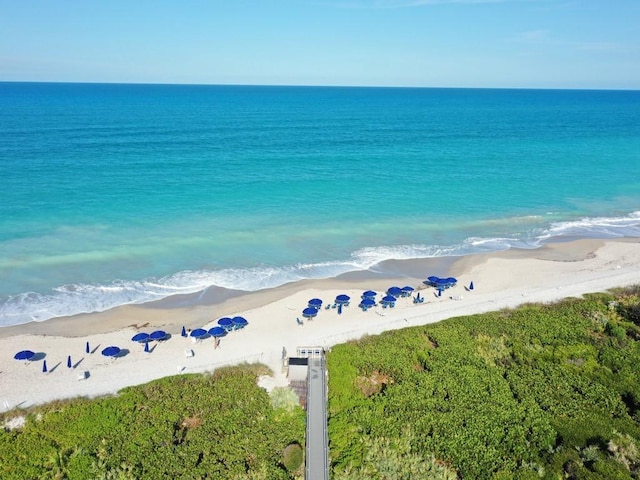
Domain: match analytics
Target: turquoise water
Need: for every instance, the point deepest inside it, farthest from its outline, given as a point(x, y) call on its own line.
point(117, 194)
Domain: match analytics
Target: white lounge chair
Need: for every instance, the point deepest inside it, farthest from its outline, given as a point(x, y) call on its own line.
point(188, 353)
point(83, 375)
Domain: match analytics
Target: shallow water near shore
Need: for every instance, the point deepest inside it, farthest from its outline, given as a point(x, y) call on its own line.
point(119, 194)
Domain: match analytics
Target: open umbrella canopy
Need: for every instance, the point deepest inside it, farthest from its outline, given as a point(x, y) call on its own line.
point(407, 288)
point(140, 337)
point(217, 332)
point(369, 293)
point(310, 312)
point(111, 351)
point(158, 335)
point(342, 298)
point(225, 322)
point(239, 322)
point(198, 333)
point(395, 291)
point(315, 302)
point(367, 302)
point(389, 299)
point(24, 355)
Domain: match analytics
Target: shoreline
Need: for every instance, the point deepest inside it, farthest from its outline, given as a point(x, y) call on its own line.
point(503, 279)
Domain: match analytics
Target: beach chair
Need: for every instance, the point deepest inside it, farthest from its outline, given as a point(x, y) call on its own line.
point(188, 353)
point(83, 375)
point(300, 322)
point(328, 306)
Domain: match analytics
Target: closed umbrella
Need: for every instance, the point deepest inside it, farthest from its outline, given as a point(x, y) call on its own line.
point(87, 349)
point(69, 364)
point(184, 332)
point(44, 366)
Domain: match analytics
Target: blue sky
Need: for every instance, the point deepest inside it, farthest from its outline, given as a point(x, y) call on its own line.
point(423, 43)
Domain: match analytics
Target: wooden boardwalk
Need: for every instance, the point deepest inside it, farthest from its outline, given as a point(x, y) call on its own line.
point(317, 451)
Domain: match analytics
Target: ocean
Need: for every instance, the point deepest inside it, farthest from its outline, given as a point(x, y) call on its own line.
point(114, 194)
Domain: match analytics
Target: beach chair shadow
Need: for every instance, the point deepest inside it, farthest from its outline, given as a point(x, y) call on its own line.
point(123, 353)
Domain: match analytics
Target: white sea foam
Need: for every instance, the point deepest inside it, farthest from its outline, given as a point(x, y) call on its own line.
point(83, 298)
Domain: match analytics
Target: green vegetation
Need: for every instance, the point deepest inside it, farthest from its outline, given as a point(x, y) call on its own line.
point(190, 426)
point(543, 391)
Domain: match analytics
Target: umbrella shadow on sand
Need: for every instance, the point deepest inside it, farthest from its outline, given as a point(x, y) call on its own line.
point(38, 356)
point(53, 369)
point(122, 353)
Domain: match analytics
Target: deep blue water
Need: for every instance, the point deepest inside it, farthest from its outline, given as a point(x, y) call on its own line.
point(114, 194)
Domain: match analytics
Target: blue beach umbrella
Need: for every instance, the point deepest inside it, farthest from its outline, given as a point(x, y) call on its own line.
point(184, 332)
point(369, 294)
point(395, 291)
point(217, 332)
point(367, 302)
point(315, 302)
point(389, 299)
point(239, 322)
point(87, 349)
point(44, 367)
point(198, 333)
point(226, 323)
point(24, 355)
point(140, 337)
point(407, 289)
point(69, 363)
point(158, 335)
point(471, 285)
point(342, 298)
point(310, 312)
point(111, 351)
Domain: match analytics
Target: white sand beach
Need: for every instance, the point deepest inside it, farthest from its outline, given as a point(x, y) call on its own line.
point(501, 280)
